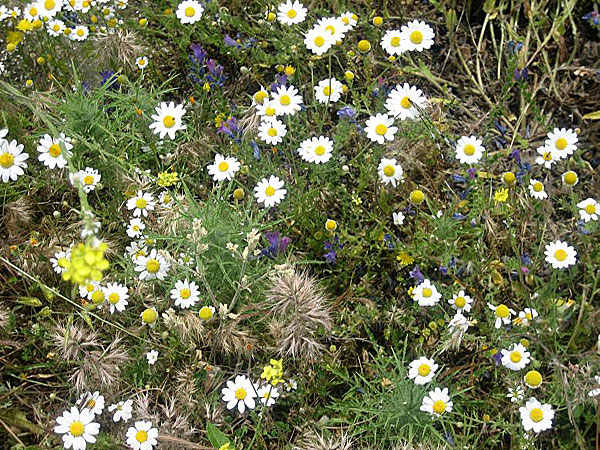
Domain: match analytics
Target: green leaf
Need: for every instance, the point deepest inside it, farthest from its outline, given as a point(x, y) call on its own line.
point(592, 116)
point(489, 6)
point(216, 437)
point(29, 301)
point(451, 19)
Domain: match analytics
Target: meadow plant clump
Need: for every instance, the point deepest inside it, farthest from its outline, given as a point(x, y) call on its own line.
point(288, 225)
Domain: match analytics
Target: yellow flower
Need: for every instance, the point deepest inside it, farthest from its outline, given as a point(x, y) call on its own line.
point(219, 119)
point(25, 25)
point(86, 264)
point(405, 259)
point(166, 179)
point(14, 37)
point(206, 86)
point(290, 70)
point(273, 372)
point(501, 195)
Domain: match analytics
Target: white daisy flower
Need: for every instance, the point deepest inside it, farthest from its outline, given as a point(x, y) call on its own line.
point(267, 110)
point(185, 294)
point(47, 9)
point(391, 42)
point(562, 142)
point(318, 40)
point(152, 266)
point(416, 36)
point(589, 209)
point(398, 218)
point(335, 26)
point(515, 358)
point(560, 255)
point(426, 294)
point(239, 393)
point(135, 228)
point(54, 152)
point(316, 149)
point(31, 12)
point(469, 150)
point(272, 131)
point(92, 401)
point(437, 402)
point(287, 100)
point(223, 168)
point(268, 394)
point(60, 261)
point(546, 157)
point(123, 410)
point(502, 313)
point(86, 290)
point(516, 394)
point(536, 416)
point(422, 370)
point(165, 200)
point(459, 324)
point(461, 302)
point(390, 172)
point(141, 204)
point(80, 33)
point(380, 128)
point(141, 62)
point(87, 178)
point(167, 120)
point(116, 294)
point(12, 160)
point(206, 313)
point(149, 316)
point(328, 91)
point(55, 28)
point(595, 392)
point(142, 436)
point(136, 249)
point(350, 19)
point(260, 96)
point(270, 191)
point(152, 357)
point(291, 13)
point(78, 428)
point(527, 315)
point(570, 178)
point(189, 11)
point(536, 189)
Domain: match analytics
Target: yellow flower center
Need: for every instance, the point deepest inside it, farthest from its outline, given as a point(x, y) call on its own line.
point(149, 315)
point(547, 156)
point(97, 297)
point(502, 311)
point(561, 143)
point(533, 378)
point(142, 436)
point(205, 313)
point(292, 13)
point(417, 196)
point(327, 91)
point(381, 129)
point(260, 96)
point(424, 370)
point(515, 356)
point(560, 254)
point(570, 178)
point(416, 37)
point(405, 102)
point(49, 4)
point(538, 187)
point(285, 100)
point(460, 302)
point(80, 32)
point(169, 121)
point(364, 45)
point(427, 292)
point(240, 394)
point(439, 407)
point(320, 150)
point(395, 42)
point(319, 41)
point(89, 288)
point(272, 132)
point(142, 62)
point(33, 11)
point(113, 298)
point(141, 203)
point(536, 414)
point(88, 179)
point(190, 11)
point(76, 428)
point(185, 293)
point(389, 171)
point(54, 150)
point(6, 160)
point(270, 191)
point(331, 29)
point(56, 27)
point(590, 209)
point(469, 149)
point(153, 266)
point(331, 225)
point(62, 262)
point(270, 111)
point(91, 403)
point(223, 166)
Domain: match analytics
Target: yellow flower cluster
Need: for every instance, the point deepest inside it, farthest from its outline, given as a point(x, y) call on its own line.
point(273, 372)
point(86, 264)
point(166, 179)
point(501, 195)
